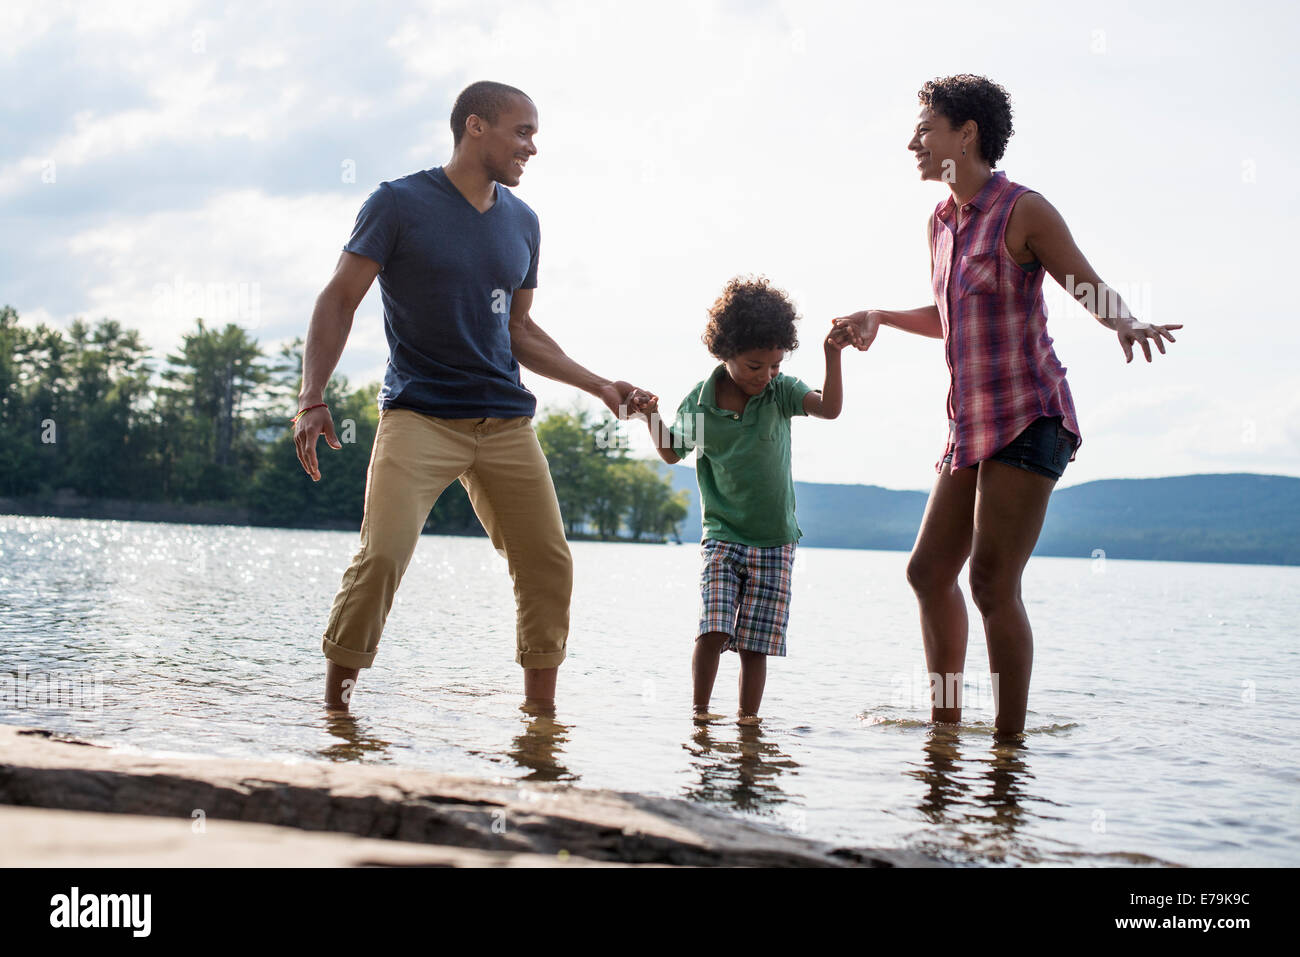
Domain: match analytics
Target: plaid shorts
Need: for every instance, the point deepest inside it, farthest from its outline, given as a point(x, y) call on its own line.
point(745, 593)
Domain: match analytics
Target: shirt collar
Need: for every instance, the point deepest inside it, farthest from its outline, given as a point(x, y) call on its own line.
point(708, 390)
point(708, 394)
point(981, 200)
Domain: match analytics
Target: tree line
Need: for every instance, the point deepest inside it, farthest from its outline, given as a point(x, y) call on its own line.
point(90, 409)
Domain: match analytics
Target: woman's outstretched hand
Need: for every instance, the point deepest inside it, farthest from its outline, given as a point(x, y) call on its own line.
point(1129, 331)
point(861, 328)
point(837, 339)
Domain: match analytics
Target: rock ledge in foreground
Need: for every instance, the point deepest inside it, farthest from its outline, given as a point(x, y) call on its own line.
point(39, 768)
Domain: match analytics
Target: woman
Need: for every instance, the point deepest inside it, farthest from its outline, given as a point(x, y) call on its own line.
point(1012, 426)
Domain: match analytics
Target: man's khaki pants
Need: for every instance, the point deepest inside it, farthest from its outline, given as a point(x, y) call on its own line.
point(415, 457)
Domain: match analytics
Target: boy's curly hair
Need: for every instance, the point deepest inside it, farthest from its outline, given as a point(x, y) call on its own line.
point(751, 313)
point(968, 97)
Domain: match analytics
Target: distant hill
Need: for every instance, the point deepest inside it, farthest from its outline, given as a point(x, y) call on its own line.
point(1242, 518)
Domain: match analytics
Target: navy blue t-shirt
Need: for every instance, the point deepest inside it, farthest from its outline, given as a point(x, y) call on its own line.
point(447, 276)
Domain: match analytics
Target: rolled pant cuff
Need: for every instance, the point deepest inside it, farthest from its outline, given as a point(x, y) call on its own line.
point(540, 659)
point(346, 657)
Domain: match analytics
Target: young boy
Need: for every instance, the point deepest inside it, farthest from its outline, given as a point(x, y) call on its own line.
point(738, 421)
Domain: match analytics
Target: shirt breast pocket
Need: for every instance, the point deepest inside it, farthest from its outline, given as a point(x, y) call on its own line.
point(978, 274)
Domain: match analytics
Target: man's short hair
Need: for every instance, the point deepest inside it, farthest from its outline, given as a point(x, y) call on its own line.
point(485, 99)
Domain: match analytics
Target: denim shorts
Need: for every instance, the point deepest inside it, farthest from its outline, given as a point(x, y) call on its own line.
point(1044, 447)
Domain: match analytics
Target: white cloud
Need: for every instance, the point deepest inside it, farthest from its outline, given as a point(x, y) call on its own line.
point(23, 22)
point(242, 257)
point(687, 142)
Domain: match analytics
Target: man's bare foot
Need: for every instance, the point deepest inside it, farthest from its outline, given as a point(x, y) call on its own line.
point(747, 719)
point(538, 709)
point(1013, 739)
point(339, 685)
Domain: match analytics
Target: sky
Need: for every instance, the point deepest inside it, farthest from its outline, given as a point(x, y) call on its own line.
point(163, 161)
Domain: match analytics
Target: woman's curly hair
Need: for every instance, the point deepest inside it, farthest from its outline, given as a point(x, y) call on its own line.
point(968, 97)
point(751, 313)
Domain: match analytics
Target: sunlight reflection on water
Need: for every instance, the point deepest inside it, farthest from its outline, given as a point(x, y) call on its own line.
point(1160, 731)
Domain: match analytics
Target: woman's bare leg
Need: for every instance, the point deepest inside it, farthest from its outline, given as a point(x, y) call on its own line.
point(1010, 505)
point(942, 546)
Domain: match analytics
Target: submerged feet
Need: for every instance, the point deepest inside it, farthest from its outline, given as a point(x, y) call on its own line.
point(705, 716)
point(539, 687)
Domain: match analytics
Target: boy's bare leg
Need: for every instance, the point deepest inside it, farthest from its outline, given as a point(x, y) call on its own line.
point(704, 667)
point(539, 685)
point(942, 546)
point(339, 685)
point(753, 678)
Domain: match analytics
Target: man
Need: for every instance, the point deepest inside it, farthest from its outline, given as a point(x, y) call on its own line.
point(456, 254)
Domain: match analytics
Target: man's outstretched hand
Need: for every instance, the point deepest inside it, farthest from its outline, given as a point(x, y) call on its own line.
point(311, 426)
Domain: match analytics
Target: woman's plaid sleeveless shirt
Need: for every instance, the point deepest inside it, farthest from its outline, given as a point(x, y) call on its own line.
point(1004, 373)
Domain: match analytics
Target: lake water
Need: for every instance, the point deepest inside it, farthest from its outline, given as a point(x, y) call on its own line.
point(1162, 721)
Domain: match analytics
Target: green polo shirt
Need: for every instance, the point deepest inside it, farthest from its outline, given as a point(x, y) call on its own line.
point(743, 465)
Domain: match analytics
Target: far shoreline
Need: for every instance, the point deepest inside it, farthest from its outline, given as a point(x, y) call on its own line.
point(65, 505)
point(128, 510)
